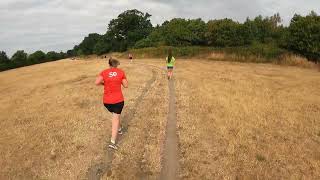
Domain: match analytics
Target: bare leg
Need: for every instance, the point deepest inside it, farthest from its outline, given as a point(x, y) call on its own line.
point(120, 125)
point(115, 126)
point(170, 73)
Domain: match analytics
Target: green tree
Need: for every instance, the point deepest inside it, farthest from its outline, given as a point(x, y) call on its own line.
point(155, 38)
point(282, 37)
point(103, 45)
point(62, 55)
point(37, 57)
point(80, 52)
point(261, 29)
point(70, 53)
point(128, 28)
point(74, 51)
point(87, 45)
point(304, 36)
point(177, 33)
point(224, 33)
point(52, 56)
point(198, 29)
point(19, 57)
point(3, 57)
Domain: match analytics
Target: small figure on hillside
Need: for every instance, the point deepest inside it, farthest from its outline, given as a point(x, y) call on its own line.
point(131, 57)
point(112, 79)
point(170, 64)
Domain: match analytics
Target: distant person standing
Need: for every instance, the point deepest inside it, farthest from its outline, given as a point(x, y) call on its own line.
point(130, 57)
point(112, 79)
point(170, 64)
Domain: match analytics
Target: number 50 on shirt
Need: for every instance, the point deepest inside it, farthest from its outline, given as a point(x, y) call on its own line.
point(112, 74)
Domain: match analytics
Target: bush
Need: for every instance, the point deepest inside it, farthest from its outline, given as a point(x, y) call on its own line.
point(144, 43)
point(157, 52)
point(304, 36)
point(52, 56)
point(19, 57)
point(256, 53)
point(295, 60)
point(36, 57)
point(263, 52)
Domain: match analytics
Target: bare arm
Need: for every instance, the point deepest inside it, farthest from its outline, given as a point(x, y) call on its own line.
point(125, 83)
point(99, 81)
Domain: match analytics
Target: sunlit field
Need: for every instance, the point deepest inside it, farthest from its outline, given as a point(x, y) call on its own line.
point(234, 121)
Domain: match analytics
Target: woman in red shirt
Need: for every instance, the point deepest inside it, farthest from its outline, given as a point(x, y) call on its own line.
point(112, 79)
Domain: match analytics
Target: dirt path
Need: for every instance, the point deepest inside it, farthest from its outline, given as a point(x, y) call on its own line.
point(170, 150)
point(170, 154)
point(96, 171)
point(170, 161)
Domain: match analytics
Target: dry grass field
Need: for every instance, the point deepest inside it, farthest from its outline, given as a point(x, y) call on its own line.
point(248, 121)
point(235, 121)
point(53, 124)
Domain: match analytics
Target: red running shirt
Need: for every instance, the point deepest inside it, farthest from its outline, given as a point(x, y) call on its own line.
point(112, 79)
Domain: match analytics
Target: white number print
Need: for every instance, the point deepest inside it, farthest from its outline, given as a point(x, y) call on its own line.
point(112, 74)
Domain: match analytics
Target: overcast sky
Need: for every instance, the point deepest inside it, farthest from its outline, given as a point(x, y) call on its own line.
point(60, 24)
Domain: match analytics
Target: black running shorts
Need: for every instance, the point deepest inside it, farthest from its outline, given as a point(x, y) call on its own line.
point(169, 67)
point(115, 108)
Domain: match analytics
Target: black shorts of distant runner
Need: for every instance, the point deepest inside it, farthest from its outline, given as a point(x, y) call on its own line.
point(169, 67)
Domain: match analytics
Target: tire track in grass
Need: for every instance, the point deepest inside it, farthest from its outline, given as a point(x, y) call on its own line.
point(143, 173)
point(96, 171)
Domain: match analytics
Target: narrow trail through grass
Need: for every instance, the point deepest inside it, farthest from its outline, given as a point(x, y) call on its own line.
point(170, 162)
point(170, 155)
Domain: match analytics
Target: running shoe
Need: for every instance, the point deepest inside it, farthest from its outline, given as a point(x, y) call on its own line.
point(113, 146)
point(120, 131)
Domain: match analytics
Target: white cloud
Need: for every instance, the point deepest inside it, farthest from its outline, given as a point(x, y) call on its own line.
point(60, 24)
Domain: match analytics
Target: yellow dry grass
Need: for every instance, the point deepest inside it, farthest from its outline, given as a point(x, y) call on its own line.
point(248, 121)
point(235, 120)
point(53, 123)
point(295, 60)
point(217, 55)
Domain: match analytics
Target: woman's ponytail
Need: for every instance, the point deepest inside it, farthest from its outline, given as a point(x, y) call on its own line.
point(169, 55)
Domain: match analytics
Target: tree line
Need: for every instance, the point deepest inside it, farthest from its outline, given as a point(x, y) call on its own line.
point(133, 29)
point(20, 58)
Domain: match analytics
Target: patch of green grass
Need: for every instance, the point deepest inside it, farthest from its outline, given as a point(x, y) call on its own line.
point(258, 53)
point(181, 52)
